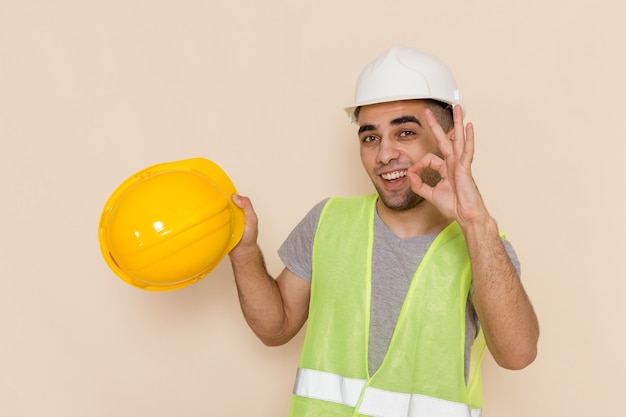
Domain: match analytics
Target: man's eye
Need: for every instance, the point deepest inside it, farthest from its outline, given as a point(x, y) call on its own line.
point(369, 139)
point(407, 133)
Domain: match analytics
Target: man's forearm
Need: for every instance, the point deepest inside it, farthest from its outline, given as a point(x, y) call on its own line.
point(259, 294)
point(504, 309)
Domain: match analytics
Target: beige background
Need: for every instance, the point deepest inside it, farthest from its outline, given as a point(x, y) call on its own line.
point(91, 92)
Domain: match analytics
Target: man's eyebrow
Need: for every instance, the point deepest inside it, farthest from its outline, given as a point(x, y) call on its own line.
point(366, 128)
point(395, 122)
point(406, 119)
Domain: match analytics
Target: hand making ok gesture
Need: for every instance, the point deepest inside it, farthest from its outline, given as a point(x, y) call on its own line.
point(456, 196)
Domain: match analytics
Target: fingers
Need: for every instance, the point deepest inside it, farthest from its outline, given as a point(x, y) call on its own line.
point(469, 143)
point(455, 144)
point(429, 161)
point(245, 204)
point(251, 220)
point(459, 146)
point(241, 201)
point(459, 130)
point(444, 143)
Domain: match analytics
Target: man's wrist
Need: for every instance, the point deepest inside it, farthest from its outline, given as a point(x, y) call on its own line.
point(483, 225)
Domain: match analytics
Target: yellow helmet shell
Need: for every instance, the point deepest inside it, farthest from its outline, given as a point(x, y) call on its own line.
point(169, 225)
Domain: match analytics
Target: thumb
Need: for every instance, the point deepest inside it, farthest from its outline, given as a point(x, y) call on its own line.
point(240, 201)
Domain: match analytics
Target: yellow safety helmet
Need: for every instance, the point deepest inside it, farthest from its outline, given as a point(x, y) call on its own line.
point(169, 225)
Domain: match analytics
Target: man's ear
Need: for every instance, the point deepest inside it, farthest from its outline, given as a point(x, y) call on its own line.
point(450, 133)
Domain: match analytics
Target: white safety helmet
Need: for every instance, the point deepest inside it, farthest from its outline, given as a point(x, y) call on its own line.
point(403, 73)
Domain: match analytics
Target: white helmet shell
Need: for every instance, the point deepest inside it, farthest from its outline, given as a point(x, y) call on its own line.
point(403, 73)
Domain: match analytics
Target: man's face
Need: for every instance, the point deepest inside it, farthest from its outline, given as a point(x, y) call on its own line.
point(393, 136)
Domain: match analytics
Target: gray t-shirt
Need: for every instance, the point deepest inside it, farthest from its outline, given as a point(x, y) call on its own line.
point(394, 262)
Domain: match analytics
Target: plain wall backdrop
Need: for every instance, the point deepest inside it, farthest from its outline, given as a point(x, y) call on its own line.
point(91, 92)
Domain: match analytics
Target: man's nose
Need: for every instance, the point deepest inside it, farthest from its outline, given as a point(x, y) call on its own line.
point(387, 151)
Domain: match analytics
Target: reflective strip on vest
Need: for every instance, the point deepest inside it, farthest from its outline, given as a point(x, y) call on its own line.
point(376, 402)
point(328, 387)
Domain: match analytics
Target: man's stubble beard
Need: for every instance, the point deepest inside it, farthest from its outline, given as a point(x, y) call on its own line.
point(409, 199)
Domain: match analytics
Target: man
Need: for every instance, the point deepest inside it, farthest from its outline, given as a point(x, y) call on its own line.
point(402, 289)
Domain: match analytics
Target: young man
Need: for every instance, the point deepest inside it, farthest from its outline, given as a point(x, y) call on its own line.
point(401, 289)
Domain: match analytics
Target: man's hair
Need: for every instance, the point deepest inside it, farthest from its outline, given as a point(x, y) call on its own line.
point(442, 112)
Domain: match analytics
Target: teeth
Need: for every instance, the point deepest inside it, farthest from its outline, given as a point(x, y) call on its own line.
point(394, 175)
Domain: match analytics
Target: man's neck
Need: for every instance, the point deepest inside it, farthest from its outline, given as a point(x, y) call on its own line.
point(418, 221)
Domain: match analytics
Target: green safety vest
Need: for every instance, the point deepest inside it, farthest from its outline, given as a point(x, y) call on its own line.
point(422, 373)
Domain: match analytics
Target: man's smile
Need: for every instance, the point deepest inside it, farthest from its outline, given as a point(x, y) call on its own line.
point(394, 175)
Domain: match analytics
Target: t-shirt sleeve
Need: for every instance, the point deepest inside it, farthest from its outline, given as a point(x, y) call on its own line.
point(512, 256)
point(296, 252)
point(471, 315)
